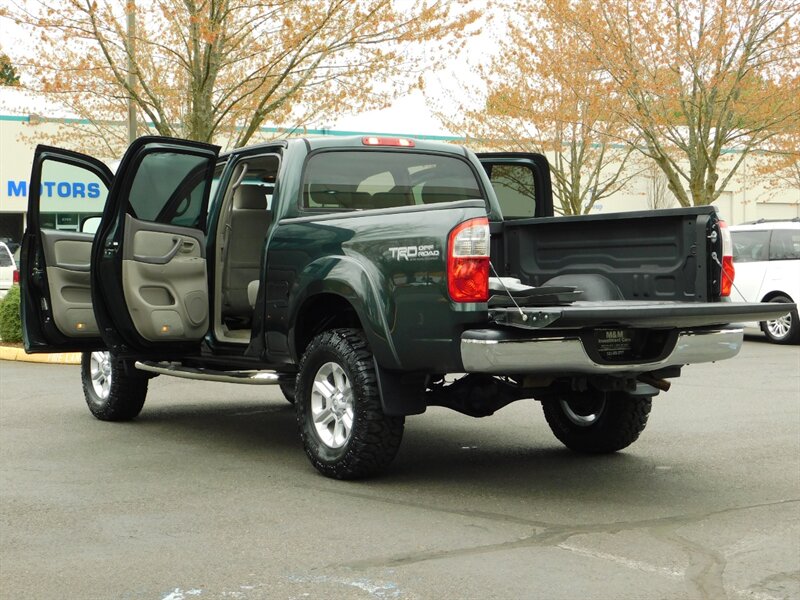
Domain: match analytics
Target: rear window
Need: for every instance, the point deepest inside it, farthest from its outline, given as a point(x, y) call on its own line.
point(361, 180)
point(5, 257)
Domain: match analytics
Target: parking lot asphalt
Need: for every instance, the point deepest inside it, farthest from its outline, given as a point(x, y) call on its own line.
point(209, 495)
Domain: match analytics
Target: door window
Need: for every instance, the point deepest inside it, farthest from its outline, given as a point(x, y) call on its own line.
point(750, 246)
point(169, 188)
point(515, 188)
point(69, 195)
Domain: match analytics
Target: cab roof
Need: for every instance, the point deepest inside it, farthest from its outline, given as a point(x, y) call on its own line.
point(357, 142)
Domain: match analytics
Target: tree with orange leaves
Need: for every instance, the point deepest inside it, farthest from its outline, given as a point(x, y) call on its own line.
point(780, 163)
point(703, 82)
point(220, 69)
point(546, 94)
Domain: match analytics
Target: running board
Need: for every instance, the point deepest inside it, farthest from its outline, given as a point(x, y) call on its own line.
point(178, 370)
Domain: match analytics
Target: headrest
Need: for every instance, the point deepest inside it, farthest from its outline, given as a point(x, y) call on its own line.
point(340, 196)
point(250, 197)
point(433, 193)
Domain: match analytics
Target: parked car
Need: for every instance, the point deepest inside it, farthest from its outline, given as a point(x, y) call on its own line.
point(766, 256)
point(8, 270)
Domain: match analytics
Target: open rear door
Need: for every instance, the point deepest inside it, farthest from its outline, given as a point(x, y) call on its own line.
point(66, 190)
point(149, 275)
point(521, 182)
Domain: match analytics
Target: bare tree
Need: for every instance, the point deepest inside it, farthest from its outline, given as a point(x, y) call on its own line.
point(658, 194)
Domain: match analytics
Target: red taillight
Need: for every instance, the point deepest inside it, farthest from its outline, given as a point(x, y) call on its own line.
point(387, 141)
point(468, 261)
point(16, 276)
point(728, 272)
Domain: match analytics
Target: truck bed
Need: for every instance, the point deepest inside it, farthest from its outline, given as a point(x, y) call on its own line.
point(649, 255)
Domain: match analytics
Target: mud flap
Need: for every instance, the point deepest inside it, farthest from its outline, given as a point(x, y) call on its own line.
point(401, 393)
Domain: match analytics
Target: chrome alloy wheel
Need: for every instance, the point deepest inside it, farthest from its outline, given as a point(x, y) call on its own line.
point(100, 370)
point(583, 413)
point(332, 405)
point(780, 327)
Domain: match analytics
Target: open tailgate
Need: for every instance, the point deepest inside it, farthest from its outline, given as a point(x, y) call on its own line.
point(637, 314)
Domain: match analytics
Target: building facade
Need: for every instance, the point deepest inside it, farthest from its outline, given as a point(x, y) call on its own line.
point(69, 200)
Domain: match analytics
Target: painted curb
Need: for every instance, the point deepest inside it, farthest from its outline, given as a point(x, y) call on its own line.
point(58, 358)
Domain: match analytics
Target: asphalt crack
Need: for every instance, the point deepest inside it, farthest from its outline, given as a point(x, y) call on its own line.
point(703, 576)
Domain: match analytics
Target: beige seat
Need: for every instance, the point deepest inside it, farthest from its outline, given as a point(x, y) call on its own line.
point(250, 221)
point(252, 292)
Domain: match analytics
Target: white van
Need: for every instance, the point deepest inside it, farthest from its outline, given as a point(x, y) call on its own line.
point(8, 270)
point(766, 256)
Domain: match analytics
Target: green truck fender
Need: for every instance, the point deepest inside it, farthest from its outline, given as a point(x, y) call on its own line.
point(316, 300)
point(332, 291)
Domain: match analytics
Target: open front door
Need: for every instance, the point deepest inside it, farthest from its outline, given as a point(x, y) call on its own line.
point(149, 275)
point(66, 191)
point(521, 182)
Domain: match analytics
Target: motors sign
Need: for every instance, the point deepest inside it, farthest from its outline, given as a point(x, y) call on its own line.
point(55, 189)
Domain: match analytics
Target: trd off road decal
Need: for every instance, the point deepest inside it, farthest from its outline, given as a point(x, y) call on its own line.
point(410, 253)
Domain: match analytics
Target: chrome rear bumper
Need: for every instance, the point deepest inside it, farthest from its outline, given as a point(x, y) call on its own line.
point(565, 355)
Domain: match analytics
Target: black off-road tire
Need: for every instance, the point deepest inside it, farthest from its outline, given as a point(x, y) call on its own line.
point(126, 393)
point(785, 330)
point(618, 420)
point(373, 438)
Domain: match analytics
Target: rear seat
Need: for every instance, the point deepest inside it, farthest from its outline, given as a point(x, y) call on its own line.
point(250, 221)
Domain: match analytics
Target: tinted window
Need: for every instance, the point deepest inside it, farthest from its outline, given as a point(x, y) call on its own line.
point(515, 190)
point(373, 179)
point(169, 187)
point(750, 246)
point(785, 244)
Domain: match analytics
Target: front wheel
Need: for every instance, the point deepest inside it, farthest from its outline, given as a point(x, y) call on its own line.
point(595, 422)
point(344, 431)
point(785, 329)
point(111, 393)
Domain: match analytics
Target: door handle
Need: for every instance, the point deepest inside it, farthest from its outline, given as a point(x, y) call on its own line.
point(161, 260)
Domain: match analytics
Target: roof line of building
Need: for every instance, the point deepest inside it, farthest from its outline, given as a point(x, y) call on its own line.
point(290, 130)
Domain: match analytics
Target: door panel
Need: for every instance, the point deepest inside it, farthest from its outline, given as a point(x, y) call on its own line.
point(66, 189)
point(164, 279)
point(67, 256)
point(748, 279)
point(150, 286)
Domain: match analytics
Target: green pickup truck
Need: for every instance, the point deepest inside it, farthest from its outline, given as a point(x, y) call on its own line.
point(370, 278)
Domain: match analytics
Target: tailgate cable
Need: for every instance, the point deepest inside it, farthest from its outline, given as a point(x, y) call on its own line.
point(500, 279)
point(723, 274)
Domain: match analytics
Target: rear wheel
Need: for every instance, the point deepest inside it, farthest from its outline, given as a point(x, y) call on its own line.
point(344, 431)
point(784, 330)
point(597, 422)
point(111, 394)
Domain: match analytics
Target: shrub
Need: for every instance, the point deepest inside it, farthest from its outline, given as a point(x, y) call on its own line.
point(10, 324)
